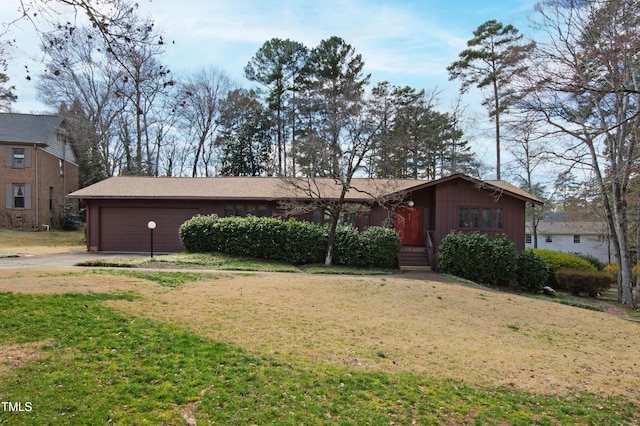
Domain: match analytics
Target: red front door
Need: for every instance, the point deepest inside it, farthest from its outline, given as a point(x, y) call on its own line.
point(409, 222)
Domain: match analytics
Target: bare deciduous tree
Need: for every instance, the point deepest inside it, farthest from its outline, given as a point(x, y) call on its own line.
point(587, 88)
point(199, 105)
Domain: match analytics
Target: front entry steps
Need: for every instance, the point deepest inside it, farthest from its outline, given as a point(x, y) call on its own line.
point(414, 258)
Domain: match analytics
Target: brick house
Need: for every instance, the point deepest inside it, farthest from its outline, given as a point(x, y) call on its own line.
point(39, 170)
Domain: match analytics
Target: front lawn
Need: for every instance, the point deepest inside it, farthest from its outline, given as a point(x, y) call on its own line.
point(97, 366)
point(221, 261)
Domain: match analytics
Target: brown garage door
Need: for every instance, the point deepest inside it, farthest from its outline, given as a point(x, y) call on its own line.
point(125, 228)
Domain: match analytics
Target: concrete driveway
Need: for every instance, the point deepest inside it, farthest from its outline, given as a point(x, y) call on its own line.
point(61, 259)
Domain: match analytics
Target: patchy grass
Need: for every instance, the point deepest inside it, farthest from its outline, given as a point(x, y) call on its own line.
point(17, 238)
point(575, 301)
point(193, 260)
point(4, 254)
point(345, 270)
point(164, 278)
point(98, 366)
point(226, 262)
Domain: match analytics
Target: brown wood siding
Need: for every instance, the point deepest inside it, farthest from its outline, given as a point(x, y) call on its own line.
point(452, 195)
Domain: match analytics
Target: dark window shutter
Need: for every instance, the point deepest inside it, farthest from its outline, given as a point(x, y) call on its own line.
point(9, 193)
point(8, 157)
point(27, 157)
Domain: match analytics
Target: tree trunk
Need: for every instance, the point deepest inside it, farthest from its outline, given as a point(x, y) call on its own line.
point(328, 261)
point(497, 118)
point(625, 294)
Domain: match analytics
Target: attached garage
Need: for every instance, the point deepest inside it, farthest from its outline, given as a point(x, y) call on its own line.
point(125, 228)
point(118, 209)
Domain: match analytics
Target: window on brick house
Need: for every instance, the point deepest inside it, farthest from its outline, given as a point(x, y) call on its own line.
point(18, 196)
point(18, 157)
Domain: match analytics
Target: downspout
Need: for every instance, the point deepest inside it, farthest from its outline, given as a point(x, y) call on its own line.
point(37, 188)
point(64, 173)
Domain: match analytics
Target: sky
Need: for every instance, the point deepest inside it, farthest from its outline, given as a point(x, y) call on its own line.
point(405, 42)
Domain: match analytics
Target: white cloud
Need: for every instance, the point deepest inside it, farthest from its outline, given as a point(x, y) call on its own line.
point(407, 42)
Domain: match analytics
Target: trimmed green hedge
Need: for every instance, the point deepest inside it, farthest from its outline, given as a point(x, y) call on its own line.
point(289, 241)
point(477, 257)
point(493, 261)
point(557, 260)
point(381, 246)
point(532, 272)
point(580, 282)
point(196, 233)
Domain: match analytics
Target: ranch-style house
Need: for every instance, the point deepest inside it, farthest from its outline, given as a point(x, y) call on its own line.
point(423, 212)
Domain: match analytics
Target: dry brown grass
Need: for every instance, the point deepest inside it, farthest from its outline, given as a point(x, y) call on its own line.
point(15, 356)
point(402, 323)
point(40, 242)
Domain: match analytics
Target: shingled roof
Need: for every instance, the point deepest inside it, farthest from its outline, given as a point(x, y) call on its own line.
point(246, 188)
point(265, 188)
point(28, 128)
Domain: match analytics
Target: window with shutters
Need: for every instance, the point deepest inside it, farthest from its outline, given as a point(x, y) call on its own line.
point(18, 157)
point(18, 196)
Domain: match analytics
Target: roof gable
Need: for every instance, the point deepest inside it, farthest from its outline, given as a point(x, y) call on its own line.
point(28, 128)
point(495, 185)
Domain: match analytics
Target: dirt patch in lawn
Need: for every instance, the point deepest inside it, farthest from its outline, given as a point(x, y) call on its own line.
point(414, 323)
point(15, 356)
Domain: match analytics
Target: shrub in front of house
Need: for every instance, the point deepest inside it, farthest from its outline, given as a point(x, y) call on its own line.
point(592, 260)
point(582, 282)
point(289, 241)
point(376, 246)
point(381, 246)
point(258, 237)
point(477, 257)
point(557, 260)
point(306, 242)
point(348, 249)
point(532, 272)
point(195, 234)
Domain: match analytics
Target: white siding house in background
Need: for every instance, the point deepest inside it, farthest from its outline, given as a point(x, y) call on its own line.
point(590, 238)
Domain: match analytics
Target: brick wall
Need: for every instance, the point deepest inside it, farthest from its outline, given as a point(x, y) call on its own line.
point(48, 189)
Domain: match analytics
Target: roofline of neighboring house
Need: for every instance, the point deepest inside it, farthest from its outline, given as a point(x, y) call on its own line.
point(23, 143)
